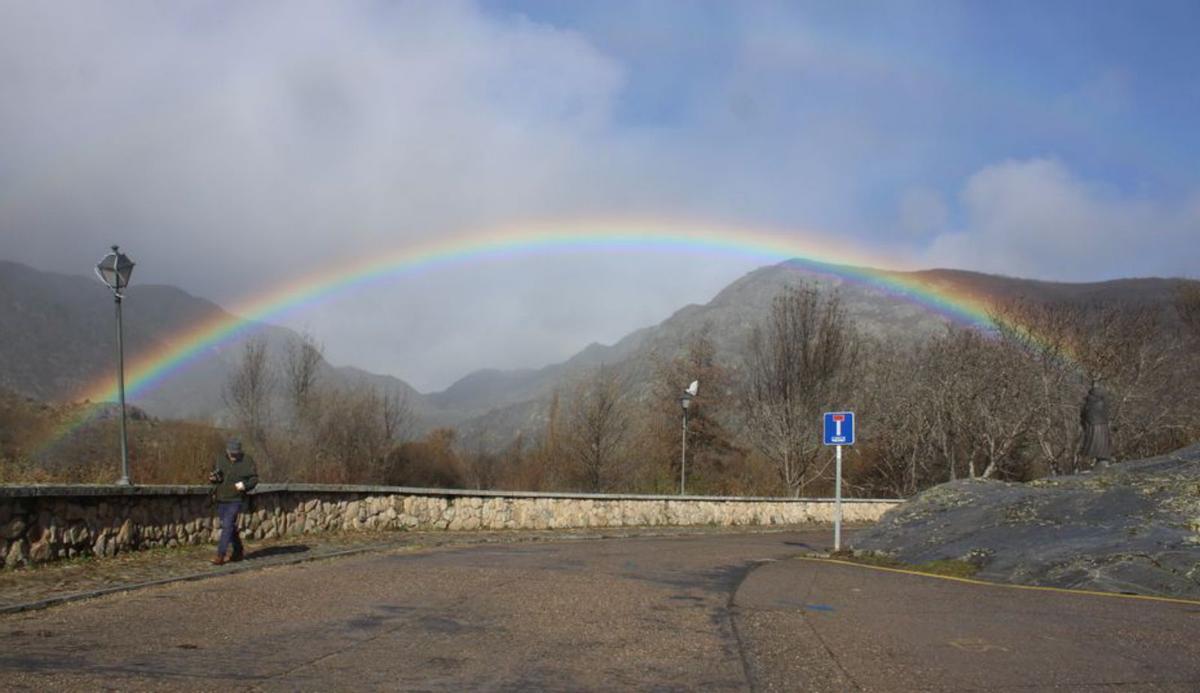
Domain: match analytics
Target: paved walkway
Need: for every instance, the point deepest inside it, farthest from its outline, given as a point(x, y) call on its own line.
point(720, 611)
point(64, 581)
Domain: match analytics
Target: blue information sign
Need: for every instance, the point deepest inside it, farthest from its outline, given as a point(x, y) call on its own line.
point(839, 428)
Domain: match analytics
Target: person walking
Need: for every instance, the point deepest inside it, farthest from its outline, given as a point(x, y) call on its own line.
point(232, 478)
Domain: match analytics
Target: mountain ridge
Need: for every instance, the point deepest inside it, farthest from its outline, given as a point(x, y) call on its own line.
point(42, 315)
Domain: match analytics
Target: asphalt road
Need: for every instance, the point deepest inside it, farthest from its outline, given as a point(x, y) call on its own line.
point(720, 612)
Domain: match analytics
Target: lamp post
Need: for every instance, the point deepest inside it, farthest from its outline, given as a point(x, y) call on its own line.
point(114, 270)
point(685, 401)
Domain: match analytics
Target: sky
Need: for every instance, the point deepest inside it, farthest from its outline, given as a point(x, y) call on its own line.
point(230, 147)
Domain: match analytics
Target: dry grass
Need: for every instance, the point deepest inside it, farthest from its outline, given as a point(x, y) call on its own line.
point(950, 567)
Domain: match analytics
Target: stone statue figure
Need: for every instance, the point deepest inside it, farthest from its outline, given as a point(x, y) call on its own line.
point(1097, 442)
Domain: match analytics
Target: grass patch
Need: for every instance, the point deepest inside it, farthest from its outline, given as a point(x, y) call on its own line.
point(949, 567)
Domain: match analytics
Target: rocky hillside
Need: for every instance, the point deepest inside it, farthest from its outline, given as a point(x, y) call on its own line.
point(1134, 527)
point(516, 400)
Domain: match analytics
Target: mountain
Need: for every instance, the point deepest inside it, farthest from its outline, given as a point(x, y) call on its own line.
point(729, 318)
point(57, 335)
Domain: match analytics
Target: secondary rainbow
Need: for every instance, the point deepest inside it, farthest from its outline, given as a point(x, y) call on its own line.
point(809, 249)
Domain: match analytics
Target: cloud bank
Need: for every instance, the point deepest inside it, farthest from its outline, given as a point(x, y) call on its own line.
point(230, 147)
point(1035, 218)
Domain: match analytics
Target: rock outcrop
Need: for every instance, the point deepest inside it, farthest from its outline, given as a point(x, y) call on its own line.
point(1134, 527)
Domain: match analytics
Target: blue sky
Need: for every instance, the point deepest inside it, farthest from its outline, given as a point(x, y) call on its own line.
point(1108, 88)
point(1054, 140)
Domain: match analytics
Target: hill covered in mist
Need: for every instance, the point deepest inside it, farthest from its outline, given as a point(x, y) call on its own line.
point(56, 336)
point(521, 404)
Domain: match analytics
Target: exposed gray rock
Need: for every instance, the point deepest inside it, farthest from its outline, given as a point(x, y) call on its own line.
point(1134, 527)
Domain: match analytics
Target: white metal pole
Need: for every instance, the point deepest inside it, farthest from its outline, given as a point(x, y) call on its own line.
point(683, 456)
point(124, 480)
point(837, 512)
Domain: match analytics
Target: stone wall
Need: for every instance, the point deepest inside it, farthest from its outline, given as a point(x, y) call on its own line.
point(46, 523)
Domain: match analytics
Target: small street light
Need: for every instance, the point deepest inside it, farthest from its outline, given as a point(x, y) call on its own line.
point(685, 401)
point(114, 270)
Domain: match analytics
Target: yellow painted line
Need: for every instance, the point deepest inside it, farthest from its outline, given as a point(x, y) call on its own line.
point(985, 583)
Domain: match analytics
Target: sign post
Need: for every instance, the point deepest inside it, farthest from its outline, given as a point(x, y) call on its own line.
point(839, 431)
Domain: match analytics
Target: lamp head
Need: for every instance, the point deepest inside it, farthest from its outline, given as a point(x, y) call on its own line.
point(114, 270)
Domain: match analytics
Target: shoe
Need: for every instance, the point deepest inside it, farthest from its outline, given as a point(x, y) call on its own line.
point(219, 560)
point(237, 556)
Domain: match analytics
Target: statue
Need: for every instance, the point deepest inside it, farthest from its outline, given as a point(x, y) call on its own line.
point(1097, 442)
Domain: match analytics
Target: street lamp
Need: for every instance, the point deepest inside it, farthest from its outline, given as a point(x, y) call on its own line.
point(114, 270)
point(685, 401)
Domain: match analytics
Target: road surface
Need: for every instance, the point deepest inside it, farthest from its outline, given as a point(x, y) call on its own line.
point(734, 612)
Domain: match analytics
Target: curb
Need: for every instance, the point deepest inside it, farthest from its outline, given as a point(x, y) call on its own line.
point(1004, 585)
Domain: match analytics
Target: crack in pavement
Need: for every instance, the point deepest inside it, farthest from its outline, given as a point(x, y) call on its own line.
point(813, 629)
point(730, 612)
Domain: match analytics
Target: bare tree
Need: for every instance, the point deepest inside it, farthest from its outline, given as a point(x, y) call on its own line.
point(1001, 415)
point(431, 461)
point(395, 415)
point(798, 363)
point(1047, 333)
point(596, 428)
point(248, 392)
point(656, 436)
point(897, 422)
point(1151, 411)
point(540, 467)
point(359, 427)
point(1187, 305)
point(302, 359)
point(1130, 347)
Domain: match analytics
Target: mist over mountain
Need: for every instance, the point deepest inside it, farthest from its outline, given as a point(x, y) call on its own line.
point(57, 335)
point(518, 401)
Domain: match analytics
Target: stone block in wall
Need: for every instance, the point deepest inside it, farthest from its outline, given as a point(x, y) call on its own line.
point(100, 547)
point(18, 554)
point(15, 528)
point(39, 552)
point(126, 536)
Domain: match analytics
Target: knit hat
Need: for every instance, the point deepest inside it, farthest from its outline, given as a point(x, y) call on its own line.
point(233, 447)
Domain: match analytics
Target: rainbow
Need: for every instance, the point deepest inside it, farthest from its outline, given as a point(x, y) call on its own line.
point(145, 371)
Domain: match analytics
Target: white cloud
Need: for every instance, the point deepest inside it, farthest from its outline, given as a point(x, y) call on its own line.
point(231, 147)
point(1035, 218)
point(923, 212)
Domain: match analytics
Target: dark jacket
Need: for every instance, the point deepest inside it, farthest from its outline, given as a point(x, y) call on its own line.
point(232, 472)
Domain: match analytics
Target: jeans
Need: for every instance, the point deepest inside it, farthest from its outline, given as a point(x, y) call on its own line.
point(228, 512)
